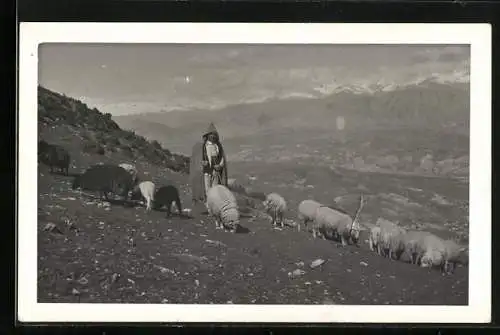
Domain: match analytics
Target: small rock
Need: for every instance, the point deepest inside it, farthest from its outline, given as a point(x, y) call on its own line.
point(83, 281)
point(363, 263)
point(75, 292)
point(197, 282)
point(316, 263)
point(115, 277)
point(307, 283)
point(300, 264)
point(164, 301)
point(131, 281)
point(296, 273)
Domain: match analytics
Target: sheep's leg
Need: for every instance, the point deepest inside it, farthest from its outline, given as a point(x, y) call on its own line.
point(282, 221)
point(169, 207)
point(314, 232)
point(218, 225)
point(370, 242)
point(343, 240)
point(179, 206)
point(379, 250)
point(148, 204)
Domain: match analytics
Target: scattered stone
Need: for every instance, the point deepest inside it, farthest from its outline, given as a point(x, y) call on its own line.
point(317, 263)
point(52, 228)
point(83, 281)
point(115, 277)
point(75, 291)
point(216, 243)
point(363, 263)
point(296, 273)
point(164, 269)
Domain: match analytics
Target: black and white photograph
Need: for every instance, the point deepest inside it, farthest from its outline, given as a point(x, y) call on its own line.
point(258, 172)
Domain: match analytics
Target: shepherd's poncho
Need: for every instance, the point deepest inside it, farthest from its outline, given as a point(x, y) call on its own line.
point(196, 169)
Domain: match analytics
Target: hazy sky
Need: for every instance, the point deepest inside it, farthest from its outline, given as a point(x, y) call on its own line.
point(133, 78)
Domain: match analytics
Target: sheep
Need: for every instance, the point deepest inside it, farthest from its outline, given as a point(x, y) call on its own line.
point(105, 178)
point(54, 156)
point(330, 221)
point(146, 189)
point(165, 196)
point(222, 206)
point(307, 212)
point(413, 245)
point(276, 206)
point(390, 239)
point(433, 250)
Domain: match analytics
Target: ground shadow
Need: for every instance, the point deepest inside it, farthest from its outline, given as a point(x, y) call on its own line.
point(242, 230)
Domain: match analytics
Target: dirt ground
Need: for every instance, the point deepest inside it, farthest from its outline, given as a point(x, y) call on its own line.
point(115, 253)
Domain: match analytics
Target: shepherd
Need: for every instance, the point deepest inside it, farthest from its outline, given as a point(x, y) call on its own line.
point(208, 165)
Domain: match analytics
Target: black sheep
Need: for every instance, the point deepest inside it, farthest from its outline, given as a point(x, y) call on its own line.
point(54, 156)
point(104, 179)
point(165, 196)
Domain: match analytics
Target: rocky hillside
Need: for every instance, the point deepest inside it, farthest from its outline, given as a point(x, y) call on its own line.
point(95, 132)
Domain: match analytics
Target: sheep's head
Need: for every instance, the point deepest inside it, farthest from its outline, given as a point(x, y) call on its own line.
point(430, 259)
point(265, 204)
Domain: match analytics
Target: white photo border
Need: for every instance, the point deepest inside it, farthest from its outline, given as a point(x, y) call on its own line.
point(478, 36)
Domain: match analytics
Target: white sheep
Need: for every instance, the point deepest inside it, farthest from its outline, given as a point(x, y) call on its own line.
point(307, 212)
point(390, 242)
point(147, 190)
point(413, 242)
point(275, 205)
point(433, 250)
point(221, 204)
point(337, 224)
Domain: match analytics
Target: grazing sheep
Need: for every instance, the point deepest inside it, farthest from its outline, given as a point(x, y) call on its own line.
point(374, 238)
point(390, 242)
point(54, 156)
point(275, 205)
point(335, 223)
point(146, 189)
point(130, 168)
point(433, 251)
point(413, 245)
point(432, 258)
point(307, 212)
point(165, 196)
point(221, 205)
point(104, 179)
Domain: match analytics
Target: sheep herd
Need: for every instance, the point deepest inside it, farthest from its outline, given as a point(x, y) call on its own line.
point(386, 238)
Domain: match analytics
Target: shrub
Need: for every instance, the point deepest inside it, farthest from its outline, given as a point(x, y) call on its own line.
point(93, 148)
